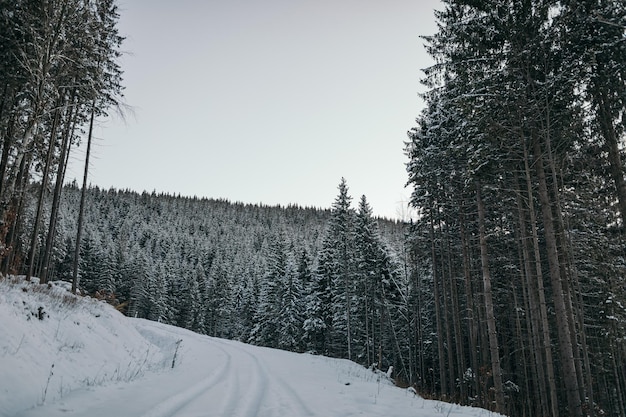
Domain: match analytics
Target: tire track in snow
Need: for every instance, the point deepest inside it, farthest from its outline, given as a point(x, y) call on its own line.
point(254, 392)
point(288, 395)
point(259, 384)
point(246, 384)
point(172, 405)
point(230, 401)
point(301, 408)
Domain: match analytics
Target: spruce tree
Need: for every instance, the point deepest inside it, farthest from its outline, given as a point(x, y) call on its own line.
point(342, 288)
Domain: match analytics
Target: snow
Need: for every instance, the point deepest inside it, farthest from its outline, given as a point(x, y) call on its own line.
point(83, 358)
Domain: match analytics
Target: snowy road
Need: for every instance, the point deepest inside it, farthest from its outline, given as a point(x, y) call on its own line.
point(216, 377)
point(238, 383)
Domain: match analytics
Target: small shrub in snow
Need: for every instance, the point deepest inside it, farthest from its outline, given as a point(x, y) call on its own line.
point(41, 314)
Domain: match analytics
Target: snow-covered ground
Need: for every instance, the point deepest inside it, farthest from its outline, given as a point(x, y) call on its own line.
point(62, 355)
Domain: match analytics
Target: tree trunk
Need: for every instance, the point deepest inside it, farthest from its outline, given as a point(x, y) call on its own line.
point(5, 223)
point(15, 210)
point(7, 142)
point(421, 363)
point(367, 325)
point(568, 269)
point(456, 320)
point(81, 210)
point(348, 304)
point(469, 295)
point(446, 318)
point(440, 347)
point(522, 347)
point(611, 144)
point(491, 320)
point(65, 147)
point(543, 308)
point(534, 318)
point(42, 193)
point(563, 326)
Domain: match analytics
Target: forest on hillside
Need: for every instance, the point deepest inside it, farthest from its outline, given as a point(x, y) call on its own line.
point(507, 290)
point(332, 282)
point(225, 269)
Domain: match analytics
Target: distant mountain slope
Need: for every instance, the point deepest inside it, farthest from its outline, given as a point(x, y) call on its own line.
point(156, 255)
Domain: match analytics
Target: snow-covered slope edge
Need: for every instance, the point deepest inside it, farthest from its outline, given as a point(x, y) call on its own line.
point(52, 342)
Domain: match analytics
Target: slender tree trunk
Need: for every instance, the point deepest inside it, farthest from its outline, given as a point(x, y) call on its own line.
point(81, 210)
point(491, 320)
point(4, 160)
point(565, 260)
point(469, 295)
point(367, 325)
point(579, 314)
point(570, 377)
point(65, 147)
point(446, 318)
point(4, 99)
point(15, 211)
point(22, 158)
point(42, 193)
point(440, 347)
point(7, 142)
point(617, 357)
point(456, 320)
point(522, 348)
point(348, 310)
point(543, 308)
point(620, 399)
point(534, 318)
point(421, 365)
point(5, 223)
point(419, 331)
point(589, 391)
point(611, 144)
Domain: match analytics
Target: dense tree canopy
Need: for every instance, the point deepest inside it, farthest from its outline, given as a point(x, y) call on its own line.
point(516, 164)
point(58, 69)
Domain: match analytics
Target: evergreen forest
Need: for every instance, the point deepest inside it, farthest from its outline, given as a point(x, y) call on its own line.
point(506, 290)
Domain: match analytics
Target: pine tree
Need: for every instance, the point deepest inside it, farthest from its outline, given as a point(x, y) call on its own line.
point(218, 302)
point(267, 329)
point(342, 286)
point(290, 317)
point(315, 314)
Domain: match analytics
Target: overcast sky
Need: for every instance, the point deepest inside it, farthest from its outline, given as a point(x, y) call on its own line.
point(266, 101)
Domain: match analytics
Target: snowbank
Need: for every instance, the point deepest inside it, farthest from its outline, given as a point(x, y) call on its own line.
point(52, 342)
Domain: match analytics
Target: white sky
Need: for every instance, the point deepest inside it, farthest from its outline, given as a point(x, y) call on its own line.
point(266, 101)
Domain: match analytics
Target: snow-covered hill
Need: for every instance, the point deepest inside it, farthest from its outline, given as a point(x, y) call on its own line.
point(62, 355)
